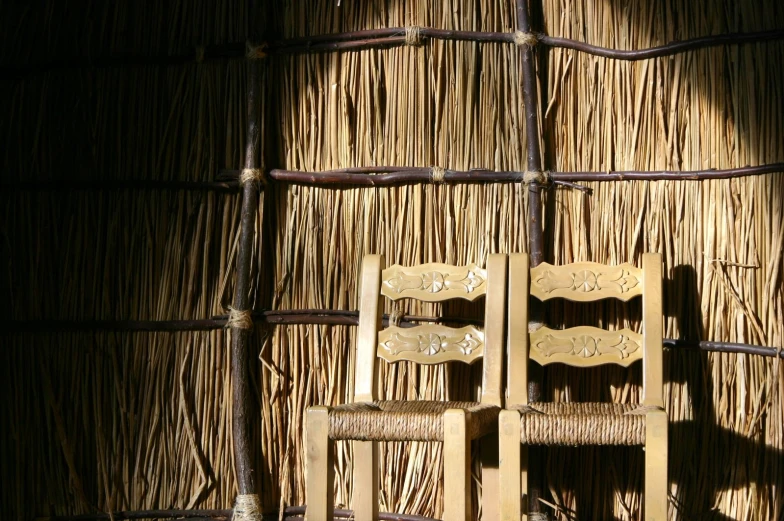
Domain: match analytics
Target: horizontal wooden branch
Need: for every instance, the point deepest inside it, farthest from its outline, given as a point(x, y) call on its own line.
point(388, 176)
point(377, 38)
point(227, 180)
point(668, 49)
point(312, 317)
point(126, 59)
point(724, 347)
point(190, 515)
point(669, 175)
point(274, 317)
point(291, 513)
point(391, 32)
point(130, 184)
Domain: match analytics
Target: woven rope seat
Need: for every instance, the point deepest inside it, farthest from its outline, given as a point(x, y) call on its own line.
point(554, 423)
point(406, 421)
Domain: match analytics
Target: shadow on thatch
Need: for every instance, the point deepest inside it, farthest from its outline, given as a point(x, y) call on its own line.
point(712, 453)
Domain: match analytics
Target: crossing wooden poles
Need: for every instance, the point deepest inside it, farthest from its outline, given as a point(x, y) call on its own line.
point(247, 506)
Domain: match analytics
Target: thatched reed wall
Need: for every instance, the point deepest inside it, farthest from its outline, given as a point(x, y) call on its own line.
point(117, 421)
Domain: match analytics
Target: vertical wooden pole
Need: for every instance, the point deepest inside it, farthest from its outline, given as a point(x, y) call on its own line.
point(535, 235)
point(242, 397)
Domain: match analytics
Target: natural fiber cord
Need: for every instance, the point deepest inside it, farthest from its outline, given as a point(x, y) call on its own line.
point(255, 52)
point(413, 35)
point(535, 176)
point(252, 175)
point(395, 316)
point(199, 54)
point(247, 507)
point(239, 319)
point(528, 39)
point(437, 175)
point(581, 424)
point(400, 420)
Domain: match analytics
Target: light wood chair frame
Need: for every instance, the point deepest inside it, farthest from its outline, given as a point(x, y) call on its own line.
point(583, 282)
point(427, 282)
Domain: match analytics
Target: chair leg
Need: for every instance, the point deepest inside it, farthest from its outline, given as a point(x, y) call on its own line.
point(366, 484)
point(319, 470)
point(656, 484)
point(512, 486)
point(457, 466)
point(488, 446)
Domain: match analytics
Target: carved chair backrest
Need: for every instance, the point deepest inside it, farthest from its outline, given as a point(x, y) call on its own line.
point(431, 343)
point(585, 346)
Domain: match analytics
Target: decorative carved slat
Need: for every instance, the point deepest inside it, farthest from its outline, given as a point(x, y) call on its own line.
point(585, 346)
point(434, 282)
point(586, 281)
point(431, 344)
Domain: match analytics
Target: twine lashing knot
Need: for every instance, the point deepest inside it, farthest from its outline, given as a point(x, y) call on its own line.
point(239, 319)
point(413, 35)
point(528, 39)
point(437, 174)
point(536, 176)
point(252, 175)
point(247, 507)
point(200, 53)
point(394, 317)
point(255, 52)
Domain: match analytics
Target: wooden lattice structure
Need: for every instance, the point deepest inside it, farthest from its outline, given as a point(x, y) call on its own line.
point(526, 174)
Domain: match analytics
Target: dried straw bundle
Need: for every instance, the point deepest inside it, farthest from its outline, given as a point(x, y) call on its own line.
point(120, 421)
point(338, 111)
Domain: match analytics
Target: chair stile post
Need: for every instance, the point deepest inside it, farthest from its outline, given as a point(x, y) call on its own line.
point(514, 478)
point(366, 472)
point(653, 330)
point(517, 336)
point(495, 320)
point(492, 386)
point(371, 306)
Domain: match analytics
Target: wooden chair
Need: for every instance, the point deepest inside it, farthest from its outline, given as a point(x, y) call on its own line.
point(584, 423)
point(367, 421)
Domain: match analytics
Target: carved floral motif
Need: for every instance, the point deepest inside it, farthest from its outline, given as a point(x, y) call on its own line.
point(586, 346)
point(432, 344)
point(433, 281)
point(616, 279)
point(421, 346)
point(585, 343)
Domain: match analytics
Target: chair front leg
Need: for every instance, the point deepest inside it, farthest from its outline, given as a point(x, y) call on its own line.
point(488, 446)
point(366, 483)
point(457, 466)
point(319, 469)
point(513, 487)
point(656, 483)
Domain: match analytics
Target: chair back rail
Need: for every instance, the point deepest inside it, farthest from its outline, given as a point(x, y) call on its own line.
point(585, 346)
point(431, 343)
point(434, 282)
point(586, 281)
